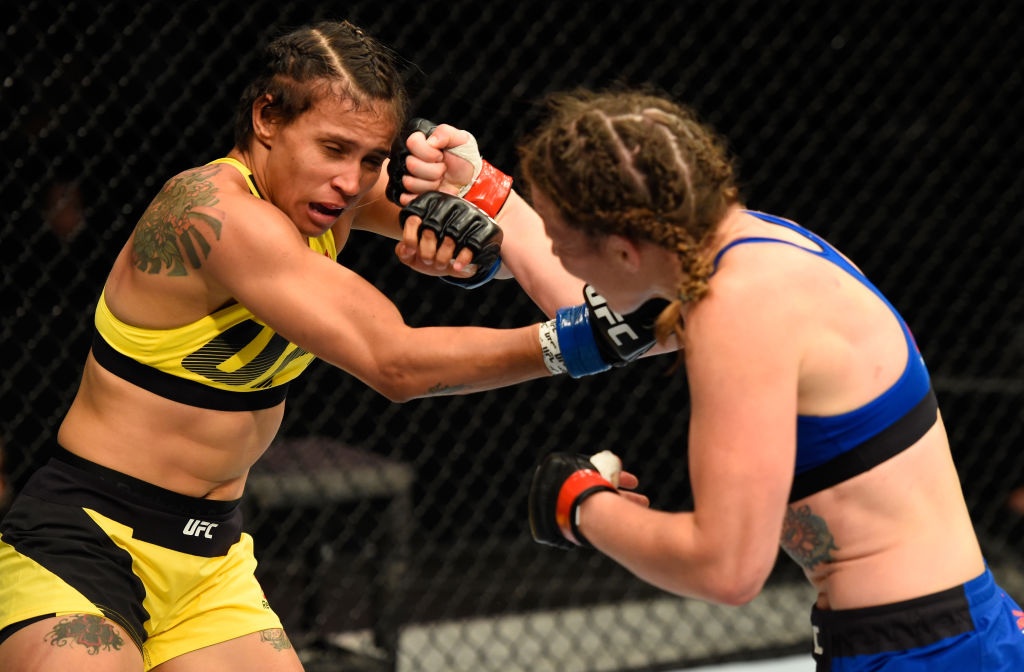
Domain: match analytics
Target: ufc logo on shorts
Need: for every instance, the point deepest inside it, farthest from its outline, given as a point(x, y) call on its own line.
point(602, 311)
point(195, 528)
point(817, 647)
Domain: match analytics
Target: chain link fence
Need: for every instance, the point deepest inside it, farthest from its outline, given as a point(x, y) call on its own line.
point(395, 536)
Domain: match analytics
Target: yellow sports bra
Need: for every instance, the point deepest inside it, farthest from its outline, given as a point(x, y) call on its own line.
point(228, 360)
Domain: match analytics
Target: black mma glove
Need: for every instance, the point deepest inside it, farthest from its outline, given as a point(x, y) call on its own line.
point(489, 188)
point(560, 484)
point(622, 338)
point(591, 337)
point(399, 153)
point(451, 217)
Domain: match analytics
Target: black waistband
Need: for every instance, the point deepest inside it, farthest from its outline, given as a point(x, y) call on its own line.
point(180, 389)
point(891, 441)
point(193, 525)
point(892, 627)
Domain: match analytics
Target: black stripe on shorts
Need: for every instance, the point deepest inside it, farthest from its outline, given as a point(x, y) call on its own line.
point(893, 627)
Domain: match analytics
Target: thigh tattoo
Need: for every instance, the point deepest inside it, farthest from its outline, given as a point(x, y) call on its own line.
point(276, 638)
point(86, 630)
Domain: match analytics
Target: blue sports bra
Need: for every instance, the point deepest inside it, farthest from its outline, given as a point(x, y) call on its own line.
point(832, 449)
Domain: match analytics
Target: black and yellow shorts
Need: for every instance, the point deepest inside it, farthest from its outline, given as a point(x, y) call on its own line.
point(175, 572)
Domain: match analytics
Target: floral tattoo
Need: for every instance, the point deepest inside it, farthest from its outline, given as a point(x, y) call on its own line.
point(169, 234)
point(86, 630)
point(806, 538)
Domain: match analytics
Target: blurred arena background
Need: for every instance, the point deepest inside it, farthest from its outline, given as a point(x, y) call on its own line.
point(395, 536)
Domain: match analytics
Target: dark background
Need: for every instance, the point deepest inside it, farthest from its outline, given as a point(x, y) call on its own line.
point(891, 128)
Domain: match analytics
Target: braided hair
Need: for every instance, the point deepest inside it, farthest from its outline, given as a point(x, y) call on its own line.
point(327, 58)
point(638, 165)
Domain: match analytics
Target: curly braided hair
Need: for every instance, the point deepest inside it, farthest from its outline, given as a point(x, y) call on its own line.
point(327, 58)
point(638, 165)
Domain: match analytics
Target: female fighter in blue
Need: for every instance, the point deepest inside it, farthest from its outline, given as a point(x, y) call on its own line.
point(814, 424)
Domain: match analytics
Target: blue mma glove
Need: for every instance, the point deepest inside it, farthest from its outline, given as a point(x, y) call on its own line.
point(591, 337)
point(451, 217)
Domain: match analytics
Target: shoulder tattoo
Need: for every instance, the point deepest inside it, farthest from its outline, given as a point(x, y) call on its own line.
point(806, 538)
point(175, 231)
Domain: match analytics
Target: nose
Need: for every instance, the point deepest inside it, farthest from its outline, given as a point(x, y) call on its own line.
point(346, 180)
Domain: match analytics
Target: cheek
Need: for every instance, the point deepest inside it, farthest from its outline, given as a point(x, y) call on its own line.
point(581, 268)
point(368, 178)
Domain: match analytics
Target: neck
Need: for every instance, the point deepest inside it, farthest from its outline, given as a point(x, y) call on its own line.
point(728, 229)
point(254, 158)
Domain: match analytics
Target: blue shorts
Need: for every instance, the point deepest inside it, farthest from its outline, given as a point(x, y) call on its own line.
point(968, 628)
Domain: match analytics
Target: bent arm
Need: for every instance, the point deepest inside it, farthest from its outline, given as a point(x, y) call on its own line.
point(526, 249)
point(742, 444)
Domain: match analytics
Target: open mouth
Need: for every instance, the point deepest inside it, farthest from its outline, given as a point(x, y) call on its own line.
point(327, 210)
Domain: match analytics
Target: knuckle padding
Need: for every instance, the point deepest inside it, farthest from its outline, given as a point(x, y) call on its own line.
point(451, 217)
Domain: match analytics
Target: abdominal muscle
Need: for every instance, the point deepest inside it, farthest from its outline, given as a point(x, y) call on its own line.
point(893, 533)
point(192, 451)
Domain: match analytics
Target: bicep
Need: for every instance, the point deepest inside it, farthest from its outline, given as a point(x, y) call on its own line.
point(307, 298)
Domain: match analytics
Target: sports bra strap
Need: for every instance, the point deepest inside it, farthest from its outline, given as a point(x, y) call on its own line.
point(244, 170)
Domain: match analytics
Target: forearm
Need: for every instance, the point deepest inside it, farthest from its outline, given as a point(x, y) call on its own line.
point(526, 255)
point(670, 550)
point(431, 361)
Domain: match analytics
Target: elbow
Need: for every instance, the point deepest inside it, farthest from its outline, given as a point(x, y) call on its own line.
point(738, 593)
point(734, 584)
point(396, 396)
point(394, 389)
point(397, 381)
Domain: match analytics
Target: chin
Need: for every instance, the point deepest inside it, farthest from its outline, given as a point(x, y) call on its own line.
point(619, 304)
point(624, 305)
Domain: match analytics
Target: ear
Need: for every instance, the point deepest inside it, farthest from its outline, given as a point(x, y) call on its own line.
point(624, 251)
point(264, 126)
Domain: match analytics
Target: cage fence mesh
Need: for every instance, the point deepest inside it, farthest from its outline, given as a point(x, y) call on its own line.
point(889, 127)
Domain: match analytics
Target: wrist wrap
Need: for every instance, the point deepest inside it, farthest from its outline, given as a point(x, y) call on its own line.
point(489, 190)
point(574, 491)
point(576, 341)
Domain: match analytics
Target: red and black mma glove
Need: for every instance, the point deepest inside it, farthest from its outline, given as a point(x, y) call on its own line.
point(489, 188)
point(561, 482)
point(451, 217)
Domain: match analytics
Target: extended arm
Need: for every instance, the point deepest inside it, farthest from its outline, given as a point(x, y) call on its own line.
point(340, 317)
